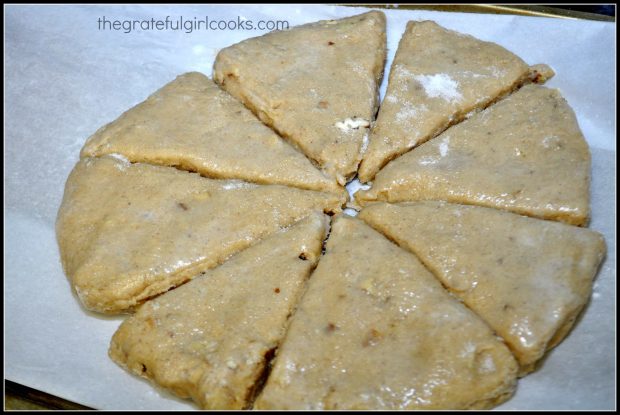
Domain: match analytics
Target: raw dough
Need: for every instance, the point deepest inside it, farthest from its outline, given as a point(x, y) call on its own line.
point(128, 232)
point(375, 330)
point(437, 78)
point(525, 154)
point(191, 123)
point(315, 84)
point(209, 339)
point(527, 278)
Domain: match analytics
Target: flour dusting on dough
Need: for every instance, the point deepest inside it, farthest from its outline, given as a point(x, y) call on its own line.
point(352, 124)
point(391, 99)
point(497, 72)
point(401, 71)
point(237, 184)
point(120, 157)
point(487, 365)
point(408, 110)
point(357, 68)
point(553, 142)
point(440, 86)
point(124, 162)
point(364, 144)
point(426, 160)
point(443, 147)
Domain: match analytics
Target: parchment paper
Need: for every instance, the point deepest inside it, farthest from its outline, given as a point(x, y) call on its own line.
point(65, 78)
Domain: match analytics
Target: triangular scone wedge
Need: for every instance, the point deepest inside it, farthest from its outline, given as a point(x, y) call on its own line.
point(211, 339)
point(192, 124)
point(315, 84)
point(376, 330)
point(128, 232)
point(525, 154)
point(527, 278)
point(438, 76)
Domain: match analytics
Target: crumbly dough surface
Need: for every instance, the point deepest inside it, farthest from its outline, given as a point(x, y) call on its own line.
point(376, 330)
point(210, 339)
point(527, 278)
point(128, 232)
point(525, 154)
point(192, 124)
point(437, 78)
point(316, 84)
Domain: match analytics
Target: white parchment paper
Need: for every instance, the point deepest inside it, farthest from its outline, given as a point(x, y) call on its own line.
point(65, 78)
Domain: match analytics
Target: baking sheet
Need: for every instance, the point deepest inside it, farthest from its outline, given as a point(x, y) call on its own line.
point(65, 78)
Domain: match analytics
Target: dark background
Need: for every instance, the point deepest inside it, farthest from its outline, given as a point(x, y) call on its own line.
point(606, 9)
